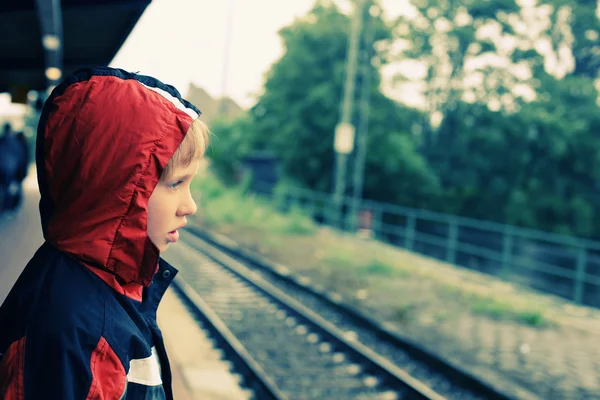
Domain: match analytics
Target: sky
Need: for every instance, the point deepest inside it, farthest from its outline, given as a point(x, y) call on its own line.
point(184, 41)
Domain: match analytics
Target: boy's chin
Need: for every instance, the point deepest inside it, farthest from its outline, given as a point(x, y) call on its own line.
point(164, 247)
point(161, 247)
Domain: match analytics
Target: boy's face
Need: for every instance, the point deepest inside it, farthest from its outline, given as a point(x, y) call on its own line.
point(170, 204)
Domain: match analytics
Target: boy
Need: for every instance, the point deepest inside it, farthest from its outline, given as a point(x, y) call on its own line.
point(116, 153)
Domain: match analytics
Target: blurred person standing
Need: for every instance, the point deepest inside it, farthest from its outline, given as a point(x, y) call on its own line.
point(13, 168)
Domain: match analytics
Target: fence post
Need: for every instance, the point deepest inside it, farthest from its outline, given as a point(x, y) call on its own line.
point(311, 208)
point(409, 232)
point(336, 215)
point(281, 201)
point(348, 220)
point(328, 210)
point(290, 201)
point(580, 274)
point(377, 219)
point(507, 250)
point(451, 244)
point(343, 219)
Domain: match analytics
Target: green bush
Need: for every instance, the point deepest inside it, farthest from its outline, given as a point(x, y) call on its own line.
point(236, 205)
point(231, 141)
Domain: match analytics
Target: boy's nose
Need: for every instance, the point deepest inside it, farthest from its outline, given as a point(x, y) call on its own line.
point(189, 207)
point(193, 207)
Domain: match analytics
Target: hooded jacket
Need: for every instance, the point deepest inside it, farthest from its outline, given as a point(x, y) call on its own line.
point(80, 322)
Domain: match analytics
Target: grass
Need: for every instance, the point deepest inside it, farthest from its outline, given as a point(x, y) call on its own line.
point(500, 309)
point(378, 268)
point(476, 299)
point(363, 266)
point(235, 206)
point(405, 312)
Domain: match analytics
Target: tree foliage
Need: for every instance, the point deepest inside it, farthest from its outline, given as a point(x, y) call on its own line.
point(532, 163)
point(298, 112)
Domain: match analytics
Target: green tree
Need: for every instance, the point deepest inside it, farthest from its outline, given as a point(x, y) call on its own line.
point(230, 142)
point(560, 178)
point(585, 29)
point(297, 114)
point(538, 168)
point(534, 163)
point(441, 37)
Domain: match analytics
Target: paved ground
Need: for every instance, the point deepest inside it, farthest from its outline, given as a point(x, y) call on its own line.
point(197, 369)
point(555, 363)
point(200, 372)
point(20, 237)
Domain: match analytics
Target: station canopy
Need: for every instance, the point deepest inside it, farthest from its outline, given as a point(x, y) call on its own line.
point(44, 40)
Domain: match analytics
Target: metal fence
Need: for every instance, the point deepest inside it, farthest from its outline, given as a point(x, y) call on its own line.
point(562, 265)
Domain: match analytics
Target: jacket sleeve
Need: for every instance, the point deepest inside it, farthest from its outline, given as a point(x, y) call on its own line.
point(58, 369)
point(30, 371)
point(55, 333)
point(64, 355)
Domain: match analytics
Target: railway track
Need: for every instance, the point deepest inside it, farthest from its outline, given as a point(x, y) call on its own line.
point(286, 350)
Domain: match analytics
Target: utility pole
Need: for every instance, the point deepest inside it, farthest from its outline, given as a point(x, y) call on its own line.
point(363, 124)
point(344, 131)
point(227, 49)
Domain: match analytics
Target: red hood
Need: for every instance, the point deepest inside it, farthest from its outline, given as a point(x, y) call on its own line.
point(104, 137)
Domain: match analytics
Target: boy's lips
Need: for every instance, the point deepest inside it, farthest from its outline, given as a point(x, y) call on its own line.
point(173, 236)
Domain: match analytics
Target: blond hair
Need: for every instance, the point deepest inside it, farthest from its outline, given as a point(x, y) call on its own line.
point(192, 148)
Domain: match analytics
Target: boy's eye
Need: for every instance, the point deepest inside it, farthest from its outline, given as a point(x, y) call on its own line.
point(175, 184)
